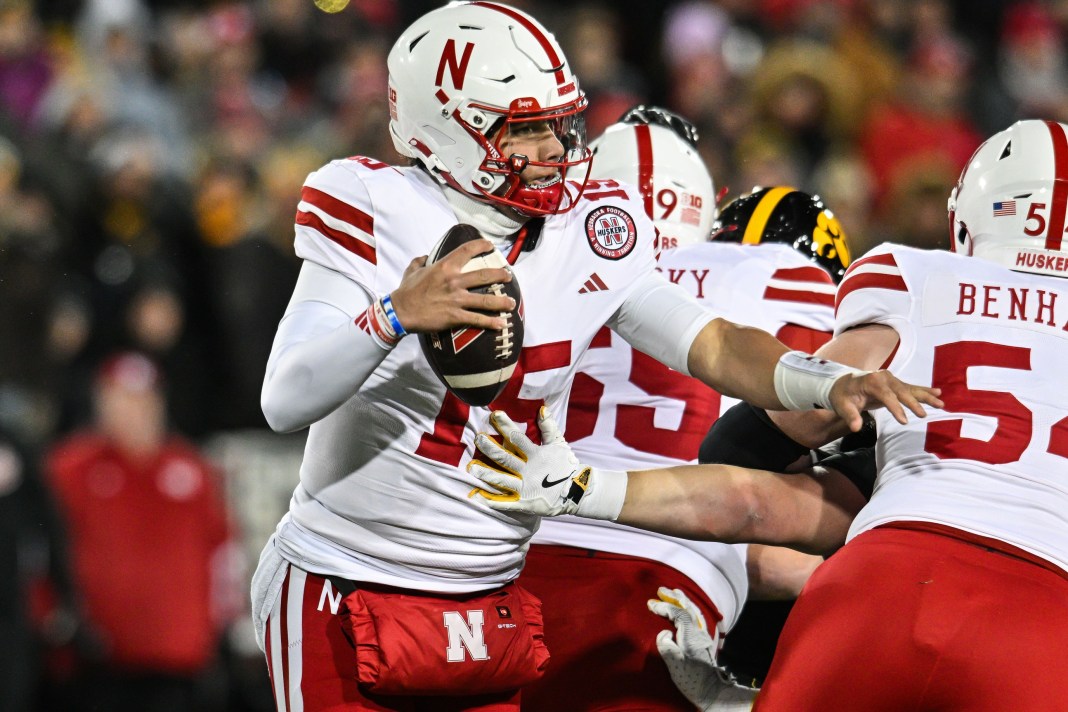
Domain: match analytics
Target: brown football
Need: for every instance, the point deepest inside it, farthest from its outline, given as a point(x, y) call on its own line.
point(476, 364)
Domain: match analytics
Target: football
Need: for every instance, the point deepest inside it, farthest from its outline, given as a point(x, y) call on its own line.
point(475, 364)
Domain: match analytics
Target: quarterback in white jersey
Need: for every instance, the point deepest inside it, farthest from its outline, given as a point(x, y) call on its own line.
point(952, 587)
point(388, 560)
point(627, 409)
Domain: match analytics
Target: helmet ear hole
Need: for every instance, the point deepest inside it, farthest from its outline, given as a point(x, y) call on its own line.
point(963, 242)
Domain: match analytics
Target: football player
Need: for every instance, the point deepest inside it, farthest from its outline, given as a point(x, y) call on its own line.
point(388, 585)
point(625, 408)
point(958, 565)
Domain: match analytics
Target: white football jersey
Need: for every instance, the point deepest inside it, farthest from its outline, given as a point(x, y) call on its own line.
point(628, 411)
point(384, 495)
point(994, 462)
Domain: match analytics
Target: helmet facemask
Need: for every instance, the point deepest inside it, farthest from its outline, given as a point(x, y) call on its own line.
point(545, 196)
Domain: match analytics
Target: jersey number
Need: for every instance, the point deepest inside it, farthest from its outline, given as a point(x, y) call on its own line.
point(444, 443)
point(1014, 420)
point(635, 423)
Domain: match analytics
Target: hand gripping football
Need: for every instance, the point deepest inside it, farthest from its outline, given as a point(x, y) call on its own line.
point(475, 364)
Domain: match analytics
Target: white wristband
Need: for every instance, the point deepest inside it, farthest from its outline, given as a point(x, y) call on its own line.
point(603, 498)
point(803, 381)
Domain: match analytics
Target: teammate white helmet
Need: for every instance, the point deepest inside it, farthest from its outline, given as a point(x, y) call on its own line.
point(655, 150)
point(1009, 204)
point(459, 76)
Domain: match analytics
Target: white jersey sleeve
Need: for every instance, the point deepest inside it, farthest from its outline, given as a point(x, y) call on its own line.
point(874, 291)
point(662, 320)
point(994, 461)
point(321, 354)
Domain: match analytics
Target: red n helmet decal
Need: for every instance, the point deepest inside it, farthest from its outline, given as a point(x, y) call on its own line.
point(457, 67)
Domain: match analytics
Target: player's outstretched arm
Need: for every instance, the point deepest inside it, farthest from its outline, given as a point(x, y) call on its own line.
point(754, 366)
point(712, 502)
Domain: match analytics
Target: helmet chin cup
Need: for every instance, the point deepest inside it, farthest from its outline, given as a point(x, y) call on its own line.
point(538, 201)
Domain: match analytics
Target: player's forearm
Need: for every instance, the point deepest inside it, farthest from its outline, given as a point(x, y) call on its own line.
point(308, 379)
point(736, 505)
point(707, 502)
point(777, 573)
point(737, 361)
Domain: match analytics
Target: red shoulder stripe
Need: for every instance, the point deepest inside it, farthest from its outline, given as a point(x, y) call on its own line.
point(885, 259)
point(873, 280)
point(801, 296)
point(338, 209)
point(803, 274)
point(350, 243)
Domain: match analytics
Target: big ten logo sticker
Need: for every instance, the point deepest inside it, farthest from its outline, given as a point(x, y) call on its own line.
point(611, 232)
point(829, 238)
point(465, 636)
point(689, 206)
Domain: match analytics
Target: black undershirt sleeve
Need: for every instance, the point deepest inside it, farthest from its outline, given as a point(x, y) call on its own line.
point(745, 436)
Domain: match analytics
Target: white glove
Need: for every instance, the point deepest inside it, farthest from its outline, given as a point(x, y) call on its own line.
point(690, 656)
point(547, 479)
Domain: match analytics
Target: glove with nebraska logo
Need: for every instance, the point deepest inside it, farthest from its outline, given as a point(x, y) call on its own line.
point(690, 655)
point(547, 479)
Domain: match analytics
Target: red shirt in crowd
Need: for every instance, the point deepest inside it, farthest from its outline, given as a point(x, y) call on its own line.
point(146, 541)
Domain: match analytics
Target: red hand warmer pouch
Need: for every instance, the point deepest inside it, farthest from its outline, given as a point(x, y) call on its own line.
point(410, 643)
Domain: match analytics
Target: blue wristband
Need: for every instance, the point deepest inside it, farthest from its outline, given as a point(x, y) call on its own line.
point(391, 315)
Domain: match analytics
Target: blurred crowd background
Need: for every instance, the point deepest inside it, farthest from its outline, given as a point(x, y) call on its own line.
point(151, 158)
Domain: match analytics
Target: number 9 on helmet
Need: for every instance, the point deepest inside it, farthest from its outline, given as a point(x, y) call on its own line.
point(656, 150)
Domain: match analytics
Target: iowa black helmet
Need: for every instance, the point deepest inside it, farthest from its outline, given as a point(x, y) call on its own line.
point(659, 116)
point(790, 216)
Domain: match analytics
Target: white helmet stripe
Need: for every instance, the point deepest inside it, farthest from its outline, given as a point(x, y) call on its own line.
point(1060, 185)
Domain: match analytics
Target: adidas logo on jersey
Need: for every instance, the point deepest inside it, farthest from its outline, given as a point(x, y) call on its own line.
point(593, 284)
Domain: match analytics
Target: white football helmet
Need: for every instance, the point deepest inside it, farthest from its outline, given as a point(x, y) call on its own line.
point(677, 188)
point(459, 76)
point(1009, 204)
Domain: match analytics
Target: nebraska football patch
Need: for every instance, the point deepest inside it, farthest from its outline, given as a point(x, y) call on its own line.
point(611, 232)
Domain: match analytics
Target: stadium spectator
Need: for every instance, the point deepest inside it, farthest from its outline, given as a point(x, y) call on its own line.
point(151, 547)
